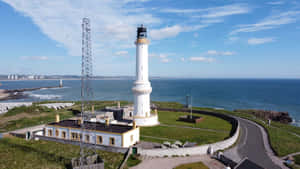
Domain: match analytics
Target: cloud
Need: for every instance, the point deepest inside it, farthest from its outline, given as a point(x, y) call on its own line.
point(213, 12)
point(36, 58)
point(113, 23)
point(233, 38)
point(271, 22)
point(121, 53)
point(215, 53)
point(163, 57)
point(276, 3)
point(165, 60)
point(257, 41)
point(182, 59)
point(172, 31)
point(202, 59)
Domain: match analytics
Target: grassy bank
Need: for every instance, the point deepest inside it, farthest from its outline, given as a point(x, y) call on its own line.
point(198, 165)
point(281, 138)
point(18, 153)
point(178, 131)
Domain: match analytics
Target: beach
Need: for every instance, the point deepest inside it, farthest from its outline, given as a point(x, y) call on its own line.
point(3, 94)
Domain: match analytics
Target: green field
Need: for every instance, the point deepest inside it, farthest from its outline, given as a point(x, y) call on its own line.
point(282, 140)
point(209, 122)
point(198, 165)
point(177, 132)
point(18, 153)
point(181, 134)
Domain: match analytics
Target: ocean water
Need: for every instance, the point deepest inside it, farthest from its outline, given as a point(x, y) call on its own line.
point(270, 94)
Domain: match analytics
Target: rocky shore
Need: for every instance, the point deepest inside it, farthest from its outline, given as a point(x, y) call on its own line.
point(282, 117)
point(18, 93)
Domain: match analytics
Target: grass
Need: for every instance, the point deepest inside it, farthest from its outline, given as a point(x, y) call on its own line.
point(297, 159)
point(36, 115)
point(18, 153)
point(160, 133)
point(181, 134)
point(198, 165)
point(281, 139)
point(208, 122)
point(133, 160)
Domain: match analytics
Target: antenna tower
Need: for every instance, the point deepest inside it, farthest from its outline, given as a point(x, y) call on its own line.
point(86, 88)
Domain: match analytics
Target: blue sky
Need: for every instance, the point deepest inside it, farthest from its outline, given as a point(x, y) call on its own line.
point(191, 38)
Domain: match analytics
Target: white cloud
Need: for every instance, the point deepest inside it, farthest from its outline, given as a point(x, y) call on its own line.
point(202, 59)
point(165, 60)
point(120, 53)
point(270, 22)
point(276, 3)
point(227, 11)
point(182, 59)
point(172, 31)
point(257, 41)
point(213, 12)
point(113, 23)
point(214, 52)
point(233, 38)
point(41, 58)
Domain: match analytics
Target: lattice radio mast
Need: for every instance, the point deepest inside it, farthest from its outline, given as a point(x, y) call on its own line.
point(86, 87)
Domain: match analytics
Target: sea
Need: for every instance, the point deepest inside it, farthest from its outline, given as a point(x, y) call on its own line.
point(230, 94)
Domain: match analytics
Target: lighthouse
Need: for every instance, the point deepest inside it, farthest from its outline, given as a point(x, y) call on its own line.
point(142, 87)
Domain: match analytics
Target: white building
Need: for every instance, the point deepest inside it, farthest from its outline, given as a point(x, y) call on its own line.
point(142, 87)
point(94, 133)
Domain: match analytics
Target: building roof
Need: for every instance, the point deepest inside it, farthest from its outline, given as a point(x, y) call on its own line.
point(247, 164)
point(113, 128)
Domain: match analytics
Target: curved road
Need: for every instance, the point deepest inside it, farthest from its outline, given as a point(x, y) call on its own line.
point(251, 144)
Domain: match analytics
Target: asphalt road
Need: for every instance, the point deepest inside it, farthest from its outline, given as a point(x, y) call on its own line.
point(251, 145)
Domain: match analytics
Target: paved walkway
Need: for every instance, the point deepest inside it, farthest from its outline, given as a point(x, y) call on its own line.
point(254, 144)
point(292, 154)
point(170, 163)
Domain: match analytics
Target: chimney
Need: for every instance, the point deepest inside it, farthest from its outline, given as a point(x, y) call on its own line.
point(93, 109)
point(57, 118)
point(107, 121)
point(79, 121)
point(134, 124)
point(119, 105)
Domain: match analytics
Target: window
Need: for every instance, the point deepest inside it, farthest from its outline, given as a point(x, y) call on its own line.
point(50, 132)
point(99, 140)
point(131, 138)
point(63, 134)
point(74, 136)
point(56, 133)
point(111, 141)
point(87, 138)
point(79, 138)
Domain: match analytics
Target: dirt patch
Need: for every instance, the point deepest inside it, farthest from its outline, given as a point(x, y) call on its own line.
point(4, 120)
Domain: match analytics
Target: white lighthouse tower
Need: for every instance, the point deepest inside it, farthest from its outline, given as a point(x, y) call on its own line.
point(142, 87)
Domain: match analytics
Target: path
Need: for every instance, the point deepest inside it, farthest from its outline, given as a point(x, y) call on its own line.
point(292, 154)
point(170, 163)
point(253, 143)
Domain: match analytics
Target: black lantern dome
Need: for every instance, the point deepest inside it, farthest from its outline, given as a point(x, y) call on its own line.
point(141, 32)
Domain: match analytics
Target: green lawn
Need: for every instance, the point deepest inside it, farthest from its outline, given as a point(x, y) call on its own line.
point(18, 153)
point(182, 134)
point(166, 133)
point(282, 141)
point(198, 165)
point(297, 159)
point(208, 122)
point(133, 160)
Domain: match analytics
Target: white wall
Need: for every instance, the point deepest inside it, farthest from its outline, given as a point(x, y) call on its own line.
point(127, 137)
